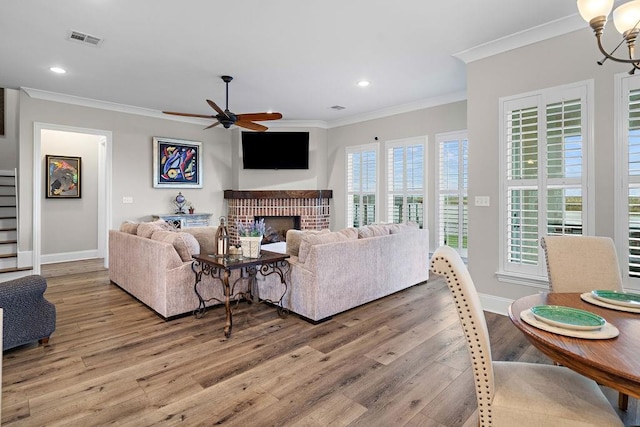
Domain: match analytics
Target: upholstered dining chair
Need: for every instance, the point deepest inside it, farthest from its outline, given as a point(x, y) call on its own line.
point(582, 264)
point(517, 393)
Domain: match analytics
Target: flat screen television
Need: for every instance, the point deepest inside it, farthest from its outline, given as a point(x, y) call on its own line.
point(275, 150)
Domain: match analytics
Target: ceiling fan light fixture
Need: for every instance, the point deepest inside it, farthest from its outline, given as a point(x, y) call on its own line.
point(590, 9)
point(626, 19)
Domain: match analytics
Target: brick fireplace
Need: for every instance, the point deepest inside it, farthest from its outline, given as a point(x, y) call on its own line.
point(312, 206)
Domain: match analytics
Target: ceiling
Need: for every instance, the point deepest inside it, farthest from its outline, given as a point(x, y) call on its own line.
point(291, 56)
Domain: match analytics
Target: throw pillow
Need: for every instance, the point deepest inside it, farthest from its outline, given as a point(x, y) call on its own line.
point(146, 229)
point(294, 237)
point(372, 230)
point(205, 236)
point(129, 227)
point(176, 240)
point(193, 246)
point(317, 239)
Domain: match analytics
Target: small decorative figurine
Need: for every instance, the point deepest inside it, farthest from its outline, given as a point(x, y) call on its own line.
point(180, 201)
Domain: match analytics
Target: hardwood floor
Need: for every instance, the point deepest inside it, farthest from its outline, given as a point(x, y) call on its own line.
point(399, 361)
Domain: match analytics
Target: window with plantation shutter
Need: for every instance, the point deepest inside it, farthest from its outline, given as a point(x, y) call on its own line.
point(361, 173)
point(452, 190)
point(406, 181)
point(544, 146)
point(628, 200)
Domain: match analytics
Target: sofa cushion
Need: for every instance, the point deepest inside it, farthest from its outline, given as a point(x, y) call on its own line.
point(206, 237)
point(401, 228)
point(129, 227)
point(146, 229)
point(179, 242)
point(318, 239)
point(294, 237)
point(373, 230)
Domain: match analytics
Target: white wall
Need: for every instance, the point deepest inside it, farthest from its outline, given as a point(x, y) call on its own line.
point(565, 59)
point(132, 160)
point(426, 122)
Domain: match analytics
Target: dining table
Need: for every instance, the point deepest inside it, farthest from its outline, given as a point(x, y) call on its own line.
point(613, 362)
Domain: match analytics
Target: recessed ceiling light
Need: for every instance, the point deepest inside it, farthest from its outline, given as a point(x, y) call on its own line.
point(364, 83)
point(58, 70)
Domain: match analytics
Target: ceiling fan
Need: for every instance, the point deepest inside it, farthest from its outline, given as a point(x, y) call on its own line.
point(227, 118)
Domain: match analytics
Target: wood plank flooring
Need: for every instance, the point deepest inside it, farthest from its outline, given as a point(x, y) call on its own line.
point(399, 361)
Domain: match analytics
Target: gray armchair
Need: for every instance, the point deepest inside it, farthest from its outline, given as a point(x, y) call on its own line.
point(27, 315)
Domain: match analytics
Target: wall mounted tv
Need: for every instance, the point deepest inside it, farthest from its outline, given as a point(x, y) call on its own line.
point(275, 150)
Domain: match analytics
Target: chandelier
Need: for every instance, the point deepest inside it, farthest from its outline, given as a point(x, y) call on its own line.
point(626, 19)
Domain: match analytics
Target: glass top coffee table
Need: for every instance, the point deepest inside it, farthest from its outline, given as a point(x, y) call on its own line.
point(220, 268)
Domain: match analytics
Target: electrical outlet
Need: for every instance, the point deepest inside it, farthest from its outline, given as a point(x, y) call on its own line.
point(127, 199)
point(482, 201)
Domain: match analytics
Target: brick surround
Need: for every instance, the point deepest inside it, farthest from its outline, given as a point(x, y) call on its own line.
point(313, 207)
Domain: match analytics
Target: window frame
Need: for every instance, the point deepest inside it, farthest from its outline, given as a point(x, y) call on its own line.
point(623, 85)
point(359, 149)
point(536, 275)
point(462, 190)
point(405, 143)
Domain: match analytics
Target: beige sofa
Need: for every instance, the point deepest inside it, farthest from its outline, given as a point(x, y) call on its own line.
point(332, 272)
point(154, 265)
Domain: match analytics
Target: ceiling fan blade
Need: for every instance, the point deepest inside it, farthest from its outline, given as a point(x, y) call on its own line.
point(215, 107)
point(212, 125)
point(259, 117)
point(203, 116)
point(250, 125)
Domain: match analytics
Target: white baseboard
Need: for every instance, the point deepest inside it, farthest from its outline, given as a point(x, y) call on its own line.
point(495, 304)
point(68, 256)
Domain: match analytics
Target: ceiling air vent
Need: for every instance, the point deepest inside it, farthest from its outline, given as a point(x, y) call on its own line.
point(84, 38)
point(338, 107)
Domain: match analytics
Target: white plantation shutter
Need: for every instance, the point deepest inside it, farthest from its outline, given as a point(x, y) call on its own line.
point(452, 190)
point(545, 149)
point(406, 181)
point(633, 166)
point(361, 173)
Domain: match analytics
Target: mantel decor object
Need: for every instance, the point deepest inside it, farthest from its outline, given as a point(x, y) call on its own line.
point(180, 201)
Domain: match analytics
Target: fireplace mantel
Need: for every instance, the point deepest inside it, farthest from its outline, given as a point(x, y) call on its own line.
point(278, 194)
point(312, 206)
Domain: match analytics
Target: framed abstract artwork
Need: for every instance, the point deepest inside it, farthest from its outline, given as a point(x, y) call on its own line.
point(177, 163)
point(63, 177)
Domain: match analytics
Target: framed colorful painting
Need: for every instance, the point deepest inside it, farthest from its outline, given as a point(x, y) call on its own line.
point(177, 163)
point(63, 177)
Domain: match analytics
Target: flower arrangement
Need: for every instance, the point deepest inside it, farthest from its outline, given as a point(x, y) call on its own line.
point(255, 229)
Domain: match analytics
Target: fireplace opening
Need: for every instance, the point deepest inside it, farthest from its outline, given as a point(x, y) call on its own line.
point(276, 227)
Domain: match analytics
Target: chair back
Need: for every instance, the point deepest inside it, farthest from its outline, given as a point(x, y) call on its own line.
point(581, 263)
point(446, 262)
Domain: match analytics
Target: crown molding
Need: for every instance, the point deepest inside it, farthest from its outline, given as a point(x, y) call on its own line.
point(400, 109)
point(147, 112)
point(529, 36)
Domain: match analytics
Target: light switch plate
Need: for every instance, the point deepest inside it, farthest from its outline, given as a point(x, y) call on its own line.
point(482, 201)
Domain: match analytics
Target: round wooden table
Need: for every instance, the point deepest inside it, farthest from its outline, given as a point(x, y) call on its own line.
point(612, 362)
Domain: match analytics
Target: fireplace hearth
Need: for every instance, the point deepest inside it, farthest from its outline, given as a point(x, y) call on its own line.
point(277, 227)
point(312, 207)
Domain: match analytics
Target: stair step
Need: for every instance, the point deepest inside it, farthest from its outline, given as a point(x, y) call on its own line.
point(8, 229)
point(14, 269)
point(7, 242)
point(13, 255)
